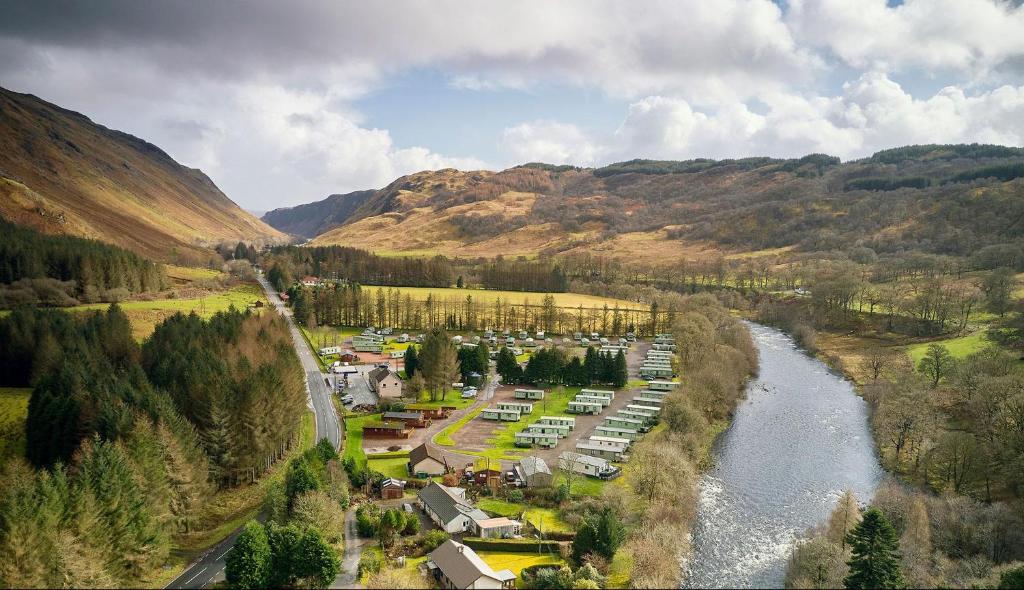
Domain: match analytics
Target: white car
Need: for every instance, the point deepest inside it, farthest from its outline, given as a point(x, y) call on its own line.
point(468, 393)
point(347, 398)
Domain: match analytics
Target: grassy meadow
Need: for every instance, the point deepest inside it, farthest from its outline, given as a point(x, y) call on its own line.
point(13, 411)
point(517, 297)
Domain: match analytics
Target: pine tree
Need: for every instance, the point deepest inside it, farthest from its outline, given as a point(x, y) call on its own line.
point(411, 361)
point(620, 374)
point(507, 366)
point(876, 554)
point(592, 365)
point(248, 562)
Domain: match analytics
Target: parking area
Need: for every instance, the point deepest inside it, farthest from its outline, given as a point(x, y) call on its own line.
point(357, 385)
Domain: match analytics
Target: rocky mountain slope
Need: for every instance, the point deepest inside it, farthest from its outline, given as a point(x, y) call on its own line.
point(62, 173)
point(313, 219)
point(939, 199)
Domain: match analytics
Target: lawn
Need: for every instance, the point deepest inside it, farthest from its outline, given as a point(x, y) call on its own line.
point(395, 467)
point(499, 560)
point(188, 274)
point(354, 436)
point(958, 347)
point(445, 436)
point(13, 411)
point(490, 296)
point(585, 486)
point(452, 399)
point(145, 315)
point(502, 443)
point(545, 518)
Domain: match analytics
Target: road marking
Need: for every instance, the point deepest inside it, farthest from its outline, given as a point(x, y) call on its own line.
point(223, 554)
point(189, 581)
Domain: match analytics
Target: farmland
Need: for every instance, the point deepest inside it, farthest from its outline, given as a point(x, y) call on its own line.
point(568, 300)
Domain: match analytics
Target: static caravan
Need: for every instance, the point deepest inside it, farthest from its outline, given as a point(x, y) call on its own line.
point(658, 362)
point(529, 439)
point(606, 453)
point(671, 347)
point(558, 421)
point(582, 407)
point(396, 354)
point(614, 432)
point(648, 401)
point(604, 401)
point(620, 421)
point(646, 419)
point(500, 415)
point(610, 441)
point(555, 429)
point(587, 465)
point(327, 350)
point(529, 343)
point(659, 354)
point(521, 407)
point(665, 337)
point(662, 385)
point(614, 348)
point(372, 337)
point(646, 410)
point(529, 394)
point(650, 393)
point(655, 371)
point(598, 393)
point(367, 346)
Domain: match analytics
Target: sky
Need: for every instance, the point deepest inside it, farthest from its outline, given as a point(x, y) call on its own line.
point(283, 103)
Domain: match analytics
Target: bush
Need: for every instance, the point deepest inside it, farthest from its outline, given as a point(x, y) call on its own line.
point(369, 563)
point(433, 539)
point(514, 496)
point(510, 545)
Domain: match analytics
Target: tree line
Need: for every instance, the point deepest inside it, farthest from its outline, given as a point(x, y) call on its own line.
point(63, 270)
point(555, 365)
point(123, 451)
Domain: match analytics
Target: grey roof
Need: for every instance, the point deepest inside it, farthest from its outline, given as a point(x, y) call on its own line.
point(585, 459)
point(534, 465)
point(403, 415)
point(377, 375)
point(463, 566)
point(424, 451)
point(443, 502)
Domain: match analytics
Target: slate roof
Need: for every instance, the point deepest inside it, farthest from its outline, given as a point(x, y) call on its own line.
point(534, 465)
point(424, 451)
point(463, 566)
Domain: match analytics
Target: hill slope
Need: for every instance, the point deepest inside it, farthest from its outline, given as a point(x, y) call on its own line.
point(62, 173)
point(940, 199)
point(313, 219)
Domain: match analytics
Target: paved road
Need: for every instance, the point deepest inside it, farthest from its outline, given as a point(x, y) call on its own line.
point(349, 576)
point(210, 567)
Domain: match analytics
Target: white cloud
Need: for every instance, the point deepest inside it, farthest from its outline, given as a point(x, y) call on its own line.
point(549, 142)
point(971, 36)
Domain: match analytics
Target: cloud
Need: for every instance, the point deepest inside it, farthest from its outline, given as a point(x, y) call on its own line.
point(871, 114)
point(970, 36)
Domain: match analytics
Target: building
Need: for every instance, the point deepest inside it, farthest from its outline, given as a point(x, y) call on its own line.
point(534, 472)
point(386, 430)
point(615, 432)
point(597, 399)
point(432, 412)
point(426, 460)
point(529, 393)
point(598, 393)
point(662, 385)
point(455, 566)
point(449, 509)
point(501, 415)
point(328, 350)
point(558, 420)
point(310, 281)
point(497, 528)
point(584, 407)
point(411, 419)
point(487, 477)
point(392, 489)
point(521, 407)
point(559, 430)
point(587, 465)
point(529, 439)
point(595, 450)
point(609, 441)
point(385, 382)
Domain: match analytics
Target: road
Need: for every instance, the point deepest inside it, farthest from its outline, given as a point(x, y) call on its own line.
point(210, 567)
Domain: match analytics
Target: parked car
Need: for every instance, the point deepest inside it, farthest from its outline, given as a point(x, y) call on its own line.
point(468, 393)
point(347, 398)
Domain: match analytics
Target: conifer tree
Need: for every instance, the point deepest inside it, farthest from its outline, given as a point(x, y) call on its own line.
point(876, 554)
point(248, 562)
point(411, 361)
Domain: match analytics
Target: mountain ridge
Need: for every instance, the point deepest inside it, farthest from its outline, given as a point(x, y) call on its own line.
point(60, 172)
point(312, 219)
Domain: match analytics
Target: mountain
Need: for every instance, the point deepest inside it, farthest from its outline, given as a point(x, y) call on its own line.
point(62, 173)
point(313, 219)
point(939, 199)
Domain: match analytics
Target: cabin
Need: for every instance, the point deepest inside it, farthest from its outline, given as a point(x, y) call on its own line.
point(607, 453)
point(425, 461)
point(625, 422)
point(456, 566)
point(598, 392)
point(534, 472)
point(497, 528)
point(529, 439)
point(369, 336)
point(386, 430)
point(558, 421)
point(584, 407)
point(486, 477)
point(555, 429)
point(329, 350)
point(616, 432)
point(500, 415)
point(411, 419)
point(529, 394)
point(648, 401)
point(587, 465)
point(432, 412)
point(604, 401)
point(609, 441)
point(385, 382)
point(523, 335)
point(392, 489)
point(521, 407)
point(662, 385)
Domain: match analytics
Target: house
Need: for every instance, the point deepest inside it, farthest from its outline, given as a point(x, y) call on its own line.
point(310, 281)
point(386, 430)
point(432, 412)
point(392, 489)
point(609, 441)
point(648, 401)
point(619, 420)
point(456, 566)
point(646, 410)
point(534, 472)
point(426, 460)
point(497, 528)
point(385, 382)
point(348, 356)
point(449, 509)
point(412, 419)
point(587, 465)
point(529, 394)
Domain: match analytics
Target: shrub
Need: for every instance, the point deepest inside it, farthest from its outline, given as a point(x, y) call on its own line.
point(433, 539)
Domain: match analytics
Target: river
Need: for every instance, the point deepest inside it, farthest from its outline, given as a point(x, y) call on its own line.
point(796, 442)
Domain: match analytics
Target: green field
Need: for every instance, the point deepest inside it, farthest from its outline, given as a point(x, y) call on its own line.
point(13, 412)
point(545, 518)
point(145, 315)
point(516, 297)
point(395, 467)
point(517, 562)
point(354, 436)
point(958, 347)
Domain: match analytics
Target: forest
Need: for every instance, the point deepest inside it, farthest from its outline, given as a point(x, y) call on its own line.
point(126, 443)
point(65, 270)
